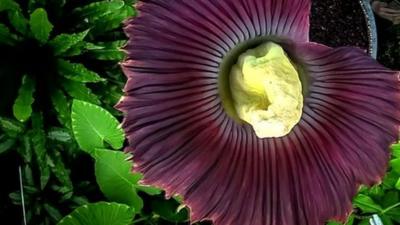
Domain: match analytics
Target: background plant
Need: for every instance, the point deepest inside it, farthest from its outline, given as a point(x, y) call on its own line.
point(69, 151)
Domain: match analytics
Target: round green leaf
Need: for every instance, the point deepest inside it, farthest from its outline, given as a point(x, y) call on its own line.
point(92, 126)
point(102, 213)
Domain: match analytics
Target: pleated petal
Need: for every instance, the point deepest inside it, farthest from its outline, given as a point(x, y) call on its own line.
point(184, 142)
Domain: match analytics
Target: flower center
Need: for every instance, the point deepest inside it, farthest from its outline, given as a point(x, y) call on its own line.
point(266, 90)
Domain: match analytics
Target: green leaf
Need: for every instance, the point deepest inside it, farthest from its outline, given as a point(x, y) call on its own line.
point(59, 134)
point(395, 163)
point(22, 107)
point(150, 190)
point(101, 213)
point(91, 46)
point(390, 198)
point(11, 127)
point(79, 91)
point(40, 25)
point(64, 42)
point(75, 50)
point(6, 143)
point(62, 106)
point(28, 175)
point(397, 185)
point(168, 210)
point(110, 51)
point(396, 150)
point(6, 37)
point(25, 149)
point(394, 214)
point(53, 212)
point(390, 179)
point(92, 126)
point(61, 172)
point(366, 204)
point(8, 5)
point(38, 138)
point(77, 72)
point(115, 179)
point(112, 20)
point(93, 11)
point(18, 20)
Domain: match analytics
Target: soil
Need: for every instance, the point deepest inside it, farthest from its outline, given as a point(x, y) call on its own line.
point(338, 23)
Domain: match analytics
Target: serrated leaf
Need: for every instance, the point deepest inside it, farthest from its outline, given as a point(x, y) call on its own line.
point(79, 91)
point(25, 149)
point(102, 213)
point(22, 107)
point(77, 72)
point(61, 172)
point(93, 11)
point(92, 126)
point(112, 20)
point(62, 106)
point(115, 179)
point(38, 138)
point(18, 21)
point(91, 46)
point(11, 127)
point(28, 176)
point(366, 204)
point(75, 50)
point(111, 51)
point(64, 42)
point(59, 134)
point(6, 37)
point(40, 25)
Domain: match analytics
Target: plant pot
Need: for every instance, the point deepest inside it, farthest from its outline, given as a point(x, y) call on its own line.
point(344, 23)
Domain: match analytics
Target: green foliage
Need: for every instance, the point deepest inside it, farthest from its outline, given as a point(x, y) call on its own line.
point(102, 213)
point(23, 104)
point(170, 210)
point(114, 176)
point(40, 25)
point(51, 55)
point(93, 126)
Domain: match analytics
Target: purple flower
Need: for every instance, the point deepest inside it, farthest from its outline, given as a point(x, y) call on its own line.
point(183, 125)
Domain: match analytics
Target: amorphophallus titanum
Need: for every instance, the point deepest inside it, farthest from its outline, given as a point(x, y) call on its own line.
point(228, 104)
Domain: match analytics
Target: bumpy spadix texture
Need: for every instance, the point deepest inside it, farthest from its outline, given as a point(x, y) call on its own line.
point(184, 141)
point(266, 90)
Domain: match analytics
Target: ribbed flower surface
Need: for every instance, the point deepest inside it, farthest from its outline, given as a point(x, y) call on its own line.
point(184, 141)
